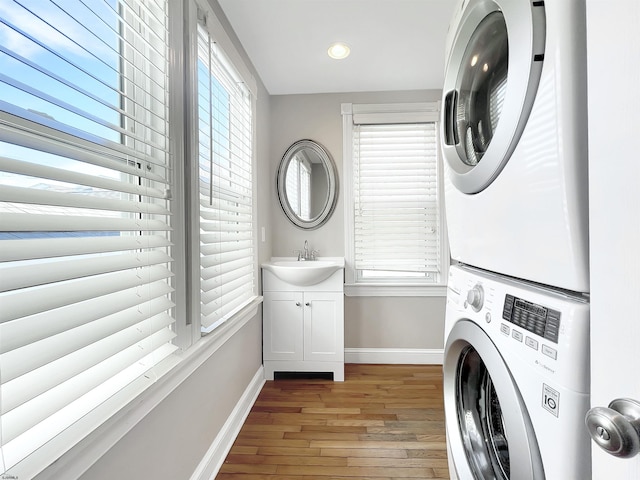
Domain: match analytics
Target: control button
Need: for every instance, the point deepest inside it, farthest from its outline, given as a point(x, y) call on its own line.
point(505, 328)
point(517, 335)
point(531, 342)
point(487, 317)
point(475, 297)
point(549, 352)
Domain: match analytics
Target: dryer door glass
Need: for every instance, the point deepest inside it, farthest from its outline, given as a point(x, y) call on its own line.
point(494, 63)
point(480, 419)
point(481, 85)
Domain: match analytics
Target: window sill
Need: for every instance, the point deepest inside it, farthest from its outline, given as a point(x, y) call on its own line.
point(394, 290)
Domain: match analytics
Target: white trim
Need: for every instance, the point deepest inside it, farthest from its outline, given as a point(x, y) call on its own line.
point(79, 458)
point(385, 113)
point(395, 113)
point(397, 356)
point(347, 191)
point(373, 290)
point(217, 452)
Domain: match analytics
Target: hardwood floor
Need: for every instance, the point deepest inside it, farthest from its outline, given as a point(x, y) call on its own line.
point(384, 422)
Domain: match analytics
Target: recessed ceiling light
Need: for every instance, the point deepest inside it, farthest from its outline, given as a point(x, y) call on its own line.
point(338, 51)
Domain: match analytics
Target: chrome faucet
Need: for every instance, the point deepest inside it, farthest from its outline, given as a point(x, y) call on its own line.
point(305, 254)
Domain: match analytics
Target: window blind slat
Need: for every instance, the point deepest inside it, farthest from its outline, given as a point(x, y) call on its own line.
point(31, 249)
point(211, 207)
point(19, 140)
point(61, 199)
point(29, 222)
point(233, 256)
point(225, 237)
point(27, 302)
point(224, 247)
point(230, 226)
point(22, 276)
point(68, 176)
point(30, 329)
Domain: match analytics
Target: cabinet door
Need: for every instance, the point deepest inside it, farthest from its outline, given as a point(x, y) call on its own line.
point(324, 326)
point(283, 324)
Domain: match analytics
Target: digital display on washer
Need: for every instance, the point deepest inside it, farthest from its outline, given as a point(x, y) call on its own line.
point(534, 318)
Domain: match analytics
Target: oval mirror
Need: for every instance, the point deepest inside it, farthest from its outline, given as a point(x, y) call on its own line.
point(307, 184)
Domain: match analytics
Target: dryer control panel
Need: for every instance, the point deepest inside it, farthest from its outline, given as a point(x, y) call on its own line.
point(535, 318)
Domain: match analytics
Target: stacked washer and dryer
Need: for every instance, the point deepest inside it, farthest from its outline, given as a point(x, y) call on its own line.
point(514, 141)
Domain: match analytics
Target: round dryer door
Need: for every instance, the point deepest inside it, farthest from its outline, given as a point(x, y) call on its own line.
point(491, 78)
point(489, 431)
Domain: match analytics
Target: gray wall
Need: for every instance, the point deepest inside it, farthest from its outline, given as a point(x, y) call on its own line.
point(370, 322)
point(394, 322)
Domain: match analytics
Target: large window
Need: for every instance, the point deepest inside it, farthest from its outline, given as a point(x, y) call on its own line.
point(109, 269)
point(86, 316)
point(395, 232)
point(227, 260)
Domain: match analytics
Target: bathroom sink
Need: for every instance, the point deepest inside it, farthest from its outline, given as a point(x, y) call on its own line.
point(303, 273)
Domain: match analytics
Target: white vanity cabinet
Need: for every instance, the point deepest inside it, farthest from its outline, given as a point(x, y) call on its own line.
point(303, 327)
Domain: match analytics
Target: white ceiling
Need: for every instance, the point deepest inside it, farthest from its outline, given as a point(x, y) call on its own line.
point(395, 44)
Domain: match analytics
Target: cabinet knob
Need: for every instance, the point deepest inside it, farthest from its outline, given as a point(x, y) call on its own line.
point(308, 304)
point(298, 304)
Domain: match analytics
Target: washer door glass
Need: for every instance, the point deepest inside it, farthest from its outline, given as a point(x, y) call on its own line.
point(480, 419)
point(481, 85)
point(489, 431)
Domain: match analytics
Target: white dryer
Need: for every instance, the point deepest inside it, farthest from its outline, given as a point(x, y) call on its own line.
point(514, 139)
point(516, 379)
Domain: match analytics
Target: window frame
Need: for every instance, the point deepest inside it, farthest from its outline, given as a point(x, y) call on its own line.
point(418, 112)
point(196, 9)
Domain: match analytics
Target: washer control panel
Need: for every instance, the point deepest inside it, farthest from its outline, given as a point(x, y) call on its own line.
point(533, 327)
point(534, 318)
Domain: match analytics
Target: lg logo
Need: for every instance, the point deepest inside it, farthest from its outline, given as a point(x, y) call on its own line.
point(550, 399)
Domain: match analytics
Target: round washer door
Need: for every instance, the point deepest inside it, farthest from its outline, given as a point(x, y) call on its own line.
point(491, 78)
point(489, 432)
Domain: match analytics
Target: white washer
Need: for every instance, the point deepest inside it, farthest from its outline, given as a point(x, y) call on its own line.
point(514, 139)
point(516, 379)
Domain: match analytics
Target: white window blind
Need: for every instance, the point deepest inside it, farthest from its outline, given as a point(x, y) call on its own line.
point(85, 265)
point(227, 251)
point(396, 205)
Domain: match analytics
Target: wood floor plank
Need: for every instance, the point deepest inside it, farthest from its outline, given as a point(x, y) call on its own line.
point(384, 422)
point(355, 472)
point(364, 452)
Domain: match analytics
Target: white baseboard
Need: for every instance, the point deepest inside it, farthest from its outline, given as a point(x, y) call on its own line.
point(217, 452)
point(413, 356)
